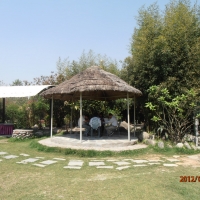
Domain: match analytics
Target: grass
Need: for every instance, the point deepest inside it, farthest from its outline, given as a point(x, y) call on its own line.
point(29, 182)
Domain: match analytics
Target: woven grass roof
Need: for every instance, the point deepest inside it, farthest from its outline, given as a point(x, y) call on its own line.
point(95, 84)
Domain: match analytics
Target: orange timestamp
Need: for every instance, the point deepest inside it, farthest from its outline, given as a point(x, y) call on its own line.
point(189, 179)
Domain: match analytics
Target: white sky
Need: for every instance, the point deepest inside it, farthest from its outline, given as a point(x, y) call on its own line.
point(35, 33)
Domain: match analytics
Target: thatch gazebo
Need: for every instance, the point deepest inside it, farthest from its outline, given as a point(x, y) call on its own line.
point(93, 84)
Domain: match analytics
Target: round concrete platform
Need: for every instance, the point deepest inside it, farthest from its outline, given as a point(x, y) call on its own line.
point(114, 143)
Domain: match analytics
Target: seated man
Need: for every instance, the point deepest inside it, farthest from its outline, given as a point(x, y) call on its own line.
point(111, 124)
point(85, 124)
point(95, 124)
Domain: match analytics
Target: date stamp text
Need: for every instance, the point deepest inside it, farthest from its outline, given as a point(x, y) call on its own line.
point(189, 178)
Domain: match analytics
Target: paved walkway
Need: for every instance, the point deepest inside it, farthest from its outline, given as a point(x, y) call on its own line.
point(115, 164)
point(113, 143)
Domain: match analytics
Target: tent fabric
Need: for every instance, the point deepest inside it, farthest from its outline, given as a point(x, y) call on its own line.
point(22, 91)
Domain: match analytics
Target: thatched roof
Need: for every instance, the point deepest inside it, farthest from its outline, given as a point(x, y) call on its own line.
point(95, 84)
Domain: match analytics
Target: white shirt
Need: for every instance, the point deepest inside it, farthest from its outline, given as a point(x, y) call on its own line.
point(83, 120)
point(113, 121)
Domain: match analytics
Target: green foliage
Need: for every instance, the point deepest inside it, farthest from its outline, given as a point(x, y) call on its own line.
point(172, 113)
point(70, 68)
point(165, 49)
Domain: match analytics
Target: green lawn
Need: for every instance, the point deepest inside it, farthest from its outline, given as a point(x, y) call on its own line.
point(26, 181)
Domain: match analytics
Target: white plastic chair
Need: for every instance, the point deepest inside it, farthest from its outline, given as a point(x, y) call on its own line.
point(95, 124)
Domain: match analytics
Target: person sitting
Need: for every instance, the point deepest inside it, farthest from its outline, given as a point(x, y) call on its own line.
point(85, 124)
point(111, 124)
point(95, 124)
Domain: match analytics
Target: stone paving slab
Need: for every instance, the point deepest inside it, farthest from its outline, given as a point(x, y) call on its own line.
point(140, 165)
point(172, 159)
point(124, 167)
point(23, 154)
point(3, 153)
point(48, 162)
point(39, 165)
point(96, 163)
point(104, 167)
point(140, 161)
point(59, 158)
point(72, 167)
point(154, 163)
point(176, 156)
point(75, 163)
point(10, 156)
point(170, 165)
point(122, 163)
point(112, 160)
point(96, 160)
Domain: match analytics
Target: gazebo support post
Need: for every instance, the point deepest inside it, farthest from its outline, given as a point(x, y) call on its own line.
point(128, 117)
point(134, 116)
point(51, 117)
point(81, 120)
point(71, 121)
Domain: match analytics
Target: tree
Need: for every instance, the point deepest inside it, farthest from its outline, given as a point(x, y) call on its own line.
point(165, 49)
point(70, 68)
point(17, 82)
point(174, 114)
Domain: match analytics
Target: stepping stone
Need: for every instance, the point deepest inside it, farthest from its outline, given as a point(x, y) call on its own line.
point(59, 159)
point(72, 167)
point(172, 159)
point(48, 162)
point(97, 160)
point(40, 157)
point(0, 160)
point(10, 157)
point(154, 163)
point(140, 161)
point(112, 160)
point(96, 163)
point(75, 163)
point(170, 165)
point(124, 167)
point(122, 163)
point(104, 167)
point(175, 156)
point(139, 165)
point(22, 162)
point(23, 154)
point(3, 153)
point(40, 165)
point(29, 160)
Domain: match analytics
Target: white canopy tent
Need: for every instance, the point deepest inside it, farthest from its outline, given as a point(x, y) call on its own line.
point(21, 91)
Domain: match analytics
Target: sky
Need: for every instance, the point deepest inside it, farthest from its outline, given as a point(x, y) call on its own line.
point(35, 33)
